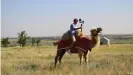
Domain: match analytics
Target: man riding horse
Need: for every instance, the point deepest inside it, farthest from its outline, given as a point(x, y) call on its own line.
point(73, 33)
point(75, 40)
point(73, 28)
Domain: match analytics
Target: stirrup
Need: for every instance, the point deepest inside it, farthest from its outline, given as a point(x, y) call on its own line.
point(69, 51)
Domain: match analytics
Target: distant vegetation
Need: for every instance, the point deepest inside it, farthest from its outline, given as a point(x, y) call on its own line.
point(120, 39)
point(5, 42)
point(24, 40)
point(22, 37)
point(33, 40)
point(38, 41)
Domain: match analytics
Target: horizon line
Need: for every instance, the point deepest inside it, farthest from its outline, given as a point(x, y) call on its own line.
point(60, 36)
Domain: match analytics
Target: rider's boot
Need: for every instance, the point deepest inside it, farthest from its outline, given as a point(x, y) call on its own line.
point(71, 45)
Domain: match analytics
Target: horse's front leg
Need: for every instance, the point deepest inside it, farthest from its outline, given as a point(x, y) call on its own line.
point(80, 56)
point(86, 57)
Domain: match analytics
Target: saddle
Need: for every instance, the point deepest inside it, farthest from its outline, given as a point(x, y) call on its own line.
point(67, 35)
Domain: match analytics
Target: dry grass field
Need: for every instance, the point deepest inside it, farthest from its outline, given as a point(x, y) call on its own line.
point(116, 60)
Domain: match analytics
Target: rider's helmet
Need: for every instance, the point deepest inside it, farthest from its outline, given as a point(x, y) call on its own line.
point(75, 20)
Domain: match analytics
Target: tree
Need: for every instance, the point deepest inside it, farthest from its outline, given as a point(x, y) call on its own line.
point(5, 42)
point(38, 41)
point(33, 41)
point(22, 37)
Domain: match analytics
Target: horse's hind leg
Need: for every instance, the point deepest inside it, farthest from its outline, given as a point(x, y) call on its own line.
point(61, 55)
point(57, 57)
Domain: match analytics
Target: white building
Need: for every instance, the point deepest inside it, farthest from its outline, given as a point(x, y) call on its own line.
point(104, 41)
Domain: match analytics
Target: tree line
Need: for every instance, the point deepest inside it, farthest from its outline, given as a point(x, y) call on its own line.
point(22, 38)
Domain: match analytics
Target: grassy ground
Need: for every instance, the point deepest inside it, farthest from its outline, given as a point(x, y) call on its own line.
point(116, 60)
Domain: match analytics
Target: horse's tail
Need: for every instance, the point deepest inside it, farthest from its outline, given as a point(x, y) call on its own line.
point(56, 43)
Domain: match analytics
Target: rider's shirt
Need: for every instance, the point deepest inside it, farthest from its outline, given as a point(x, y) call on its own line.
point(72, 28)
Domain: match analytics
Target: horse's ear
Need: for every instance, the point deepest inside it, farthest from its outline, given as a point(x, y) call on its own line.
point(99, 29)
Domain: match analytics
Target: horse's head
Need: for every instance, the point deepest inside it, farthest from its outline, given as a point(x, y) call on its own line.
point(99, 30)
point(95, 32)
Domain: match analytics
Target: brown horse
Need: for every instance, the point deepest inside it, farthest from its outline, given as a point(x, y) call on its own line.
point(82, 46)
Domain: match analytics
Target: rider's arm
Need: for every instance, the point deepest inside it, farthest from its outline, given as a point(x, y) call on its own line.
point(72, 28)
point(78, 28)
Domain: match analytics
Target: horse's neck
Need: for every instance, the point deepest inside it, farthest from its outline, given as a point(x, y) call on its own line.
point(94, 39)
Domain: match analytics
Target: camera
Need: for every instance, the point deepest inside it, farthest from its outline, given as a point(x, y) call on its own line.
point(81, 21)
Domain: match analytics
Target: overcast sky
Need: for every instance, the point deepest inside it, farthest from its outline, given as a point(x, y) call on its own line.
point(53, 17)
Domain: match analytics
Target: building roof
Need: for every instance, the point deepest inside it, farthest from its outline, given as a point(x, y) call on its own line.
point(105, 38)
